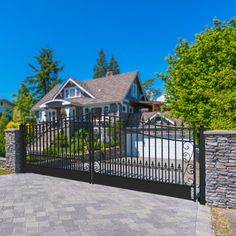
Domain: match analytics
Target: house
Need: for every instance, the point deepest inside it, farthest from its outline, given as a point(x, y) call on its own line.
point(121, 93)
point(6, 107)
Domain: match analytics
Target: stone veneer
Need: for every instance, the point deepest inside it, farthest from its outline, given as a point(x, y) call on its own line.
point(14, 157)
point(220, 168)
point(3, 163)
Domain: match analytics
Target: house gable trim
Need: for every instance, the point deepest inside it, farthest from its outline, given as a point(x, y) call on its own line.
point(80, 87)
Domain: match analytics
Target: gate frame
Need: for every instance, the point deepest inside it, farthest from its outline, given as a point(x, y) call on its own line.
point(157, 187)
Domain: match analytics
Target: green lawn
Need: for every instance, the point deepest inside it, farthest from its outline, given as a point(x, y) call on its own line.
point(4, 172)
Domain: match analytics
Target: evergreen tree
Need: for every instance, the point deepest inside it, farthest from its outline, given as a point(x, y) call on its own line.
point(100, 68)
point(3, 124)
point(24, 103)
point(150, 90)
point(46, 75)
point(113, 66)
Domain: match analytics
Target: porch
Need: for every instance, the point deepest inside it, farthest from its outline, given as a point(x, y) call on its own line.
point(58, 109)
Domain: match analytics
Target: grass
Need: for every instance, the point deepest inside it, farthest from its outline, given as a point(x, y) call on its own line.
point(4, 172)
point(220, 222)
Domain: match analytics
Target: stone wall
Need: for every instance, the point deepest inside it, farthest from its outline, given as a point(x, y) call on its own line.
point(14, 157)
point(220, 147)
point(3, 162)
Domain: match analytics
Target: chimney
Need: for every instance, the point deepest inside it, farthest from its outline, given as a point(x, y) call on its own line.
point(109, 73)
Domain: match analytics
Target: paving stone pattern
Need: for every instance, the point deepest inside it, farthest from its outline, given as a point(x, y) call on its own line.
point(33, 204)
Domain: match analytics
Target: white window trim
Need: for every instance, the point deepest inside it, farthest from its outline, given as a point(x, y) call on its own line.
point(124, 106)
point(75, 92)
point(72, 81)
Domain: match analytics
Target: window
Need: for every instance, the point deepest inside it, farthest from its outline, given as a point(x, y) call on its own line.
point(131, 110)
point(66, 93)
point(106, 110)
point(124, 108)
point(78, 92)
point(134, 93)
point(72, 92)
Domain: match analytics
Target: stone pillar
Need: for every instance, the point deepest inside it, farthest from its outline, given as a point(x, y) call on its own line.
point(14, 150)
point(220, 147)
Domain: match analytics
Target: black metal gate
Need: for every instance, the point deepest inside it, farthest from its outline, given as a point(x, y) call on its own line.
point(156, 158)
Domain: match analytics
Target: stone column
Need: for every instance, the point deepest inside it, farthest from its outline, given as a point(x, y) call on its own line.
point(14, 150)
point(220, 147)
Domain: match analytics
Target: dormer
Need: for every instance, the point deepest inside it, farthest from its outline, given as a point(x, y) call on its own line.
point(72, 89)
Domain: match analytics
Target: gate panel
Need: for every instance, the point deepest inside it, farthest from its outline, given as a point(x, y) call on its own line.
point(146, 157)
point(58, 148)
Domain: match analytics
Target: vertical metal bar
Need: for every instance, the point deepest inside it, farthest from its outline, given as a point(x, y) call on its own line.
point(143, 146)
point(23, 146)
point(168, 164)
point(74, 138)
point(83, 127)
point(110, 158)
point(33, 139)
point(175, 169)
point(43, 151)
point(59, 133)
point(67, 142)
point(47, 141)
point(50, 143)
point(202, 166)
point(54, 143)
point(125, 133)
point(155, 143)
point(131, 146)
point(120, 141)
point(89, 146)
point(182, 169)
point(36, 146)
point(77, 157)
point(92, 149)
point(149, 151)
point(194, 162)
point(105, 140)
point(115, 141)
point(137, 153)
point(162, 167)
point(100, 143)
point(70, 134)
point(40, 142)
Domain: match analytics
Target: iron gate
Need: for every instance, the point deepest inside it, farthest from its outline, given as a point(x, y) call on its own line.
point(156, 158)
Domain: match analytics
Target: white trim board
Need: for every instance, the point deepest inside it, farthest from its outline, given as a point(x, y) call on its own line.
point(71, 80)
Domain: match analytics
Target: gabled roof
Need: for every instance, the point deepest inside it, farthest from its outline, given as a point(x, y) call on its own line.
point(112, 88)
point(6, 101)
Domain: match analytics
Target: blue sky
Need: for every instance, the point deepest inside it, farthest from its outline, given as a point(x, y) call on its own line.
point(139, 33)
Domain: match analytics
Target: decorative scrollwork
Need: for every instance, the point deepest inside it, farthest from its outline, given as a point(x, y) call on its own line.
point(188, 162)
point(97, 166)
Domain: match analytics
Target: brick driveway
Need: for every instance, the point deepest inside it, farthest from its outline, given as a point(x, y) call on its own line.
point(33, 204)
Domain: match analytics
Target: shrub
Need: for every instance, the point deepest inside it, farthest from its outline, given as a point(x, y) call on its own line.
point(13, 124)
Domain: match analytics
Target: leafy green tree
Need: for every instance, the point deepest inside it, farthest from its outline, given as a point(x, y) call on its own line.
point(113, 66)
point(46, 74)
point(24, 103)
point(3, 124)
point(150, 90)
point(100, 68)
point(201, 80)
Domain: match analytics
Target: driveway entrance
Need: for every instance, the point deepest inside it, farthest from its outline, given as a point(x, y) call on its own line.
point(32, 204)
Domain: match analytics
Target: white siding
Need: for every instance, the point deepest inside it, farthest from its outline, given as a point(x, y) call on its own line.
point(141, 148)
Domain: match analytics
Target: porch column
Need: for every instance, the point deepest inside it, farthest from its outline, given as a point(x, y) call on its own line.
point(43, 115)
point(68, 111)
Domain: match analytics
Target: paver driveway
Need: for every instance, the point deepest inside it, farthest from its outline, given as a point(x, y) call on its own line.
point(33, 204)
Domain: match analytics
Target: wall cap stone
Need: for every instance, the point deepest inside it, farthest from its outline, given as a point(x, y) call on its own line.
point(12, 130)
point(220, 132)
